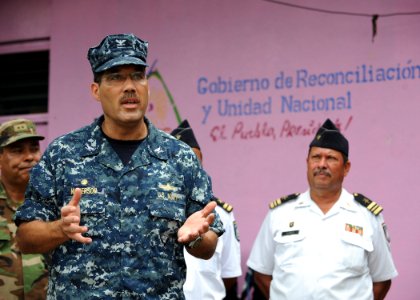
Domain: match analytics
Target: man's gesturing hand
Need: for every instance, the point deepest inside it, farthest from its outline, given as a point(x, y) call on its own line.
point(70, 219)
point(197, 224)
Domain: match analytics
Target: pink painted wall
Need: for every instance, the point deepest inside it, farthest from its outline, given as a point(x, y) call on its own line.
point(24, 25)
point(253, 159)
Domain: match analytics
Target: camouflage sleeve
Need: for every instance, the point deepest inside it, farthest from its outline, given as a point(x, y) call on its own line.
point(217, 225)
point(40, 201)
point(201, 194)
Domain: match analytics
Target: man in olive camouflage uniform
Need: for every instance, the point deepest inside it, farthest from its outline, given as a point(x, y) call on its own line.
point(22, 276)
point(118, 200)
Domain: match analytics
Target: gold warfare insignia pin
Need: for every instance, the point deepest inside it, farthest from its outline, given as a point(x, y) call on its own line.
point(167, 187)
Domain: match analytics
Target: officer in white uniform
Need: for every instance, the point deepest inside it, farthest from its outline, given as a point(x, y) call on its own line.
point(216, 278)
point(325, 243)
point(205, 278)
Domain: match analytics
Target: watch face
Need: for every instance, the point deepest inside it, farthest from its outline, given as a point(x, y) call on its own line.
point(195, 243)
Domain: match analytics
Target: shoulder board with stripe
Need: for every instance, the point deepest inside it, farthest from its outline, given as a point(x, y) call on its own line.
point(226, 206)
point(373, 207)
point(282, 200)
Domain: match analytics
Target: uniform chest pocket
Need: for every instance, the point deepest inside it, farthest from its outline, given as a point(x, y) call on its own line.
point(167, 217)
point(356, 249)
point(289, 246)
point(92, 212)
point(168, 210)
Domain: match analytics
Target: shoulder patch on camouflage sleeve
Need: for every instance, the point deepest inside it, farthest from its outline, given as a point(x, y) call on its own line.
point(282, 200)
point(373, 207)
point(226, 206)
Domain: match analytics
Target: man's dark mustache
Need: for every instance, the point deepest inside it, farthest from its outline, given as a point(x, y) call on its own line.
point(322, 172)
point(129, 95)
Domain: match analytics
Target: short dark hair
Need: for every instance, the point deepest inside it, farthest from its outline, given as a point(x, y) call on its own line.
point(97, 77)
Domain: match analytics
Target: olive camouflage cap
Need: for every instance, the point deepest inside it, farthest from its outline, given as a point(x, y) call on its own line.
point(116, 50)
point(16, 130)
point(328, 136)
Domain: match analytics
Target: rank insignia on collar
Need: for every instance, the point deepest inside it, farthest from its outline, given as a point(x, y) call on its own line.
point(158, 150)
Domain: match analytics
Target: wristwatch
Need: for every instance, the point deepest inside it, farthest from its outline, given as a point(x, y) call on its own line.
point(195, 243)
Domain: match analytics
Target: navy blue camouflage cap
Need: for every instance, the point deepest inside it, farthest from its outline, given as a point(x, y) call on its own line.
point(328, 136)
point(116, 50)
point(185, 133)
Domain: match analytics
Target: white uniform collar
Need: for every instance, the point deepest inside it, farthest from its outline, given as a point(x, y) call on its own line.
point(346, 201)
point(304, 200)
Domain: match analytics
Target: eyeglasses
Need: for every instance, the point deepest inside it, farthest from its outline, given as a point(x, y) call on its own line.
point(120, 78)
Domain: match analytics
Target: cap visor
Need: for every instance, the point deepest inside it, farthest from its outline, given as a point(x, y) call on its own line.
point(22, 137)
point(120, 61)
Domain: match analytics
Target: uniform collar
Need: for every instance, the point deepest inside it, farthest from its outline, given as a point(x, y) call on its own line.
point(345, 201)
point(304, 200)
point(13, 205)
point(153, 141)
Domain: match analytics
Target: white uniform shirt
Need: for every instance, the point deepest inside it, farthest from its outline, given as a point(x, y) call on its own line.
point(312, 255)
point(204, 277)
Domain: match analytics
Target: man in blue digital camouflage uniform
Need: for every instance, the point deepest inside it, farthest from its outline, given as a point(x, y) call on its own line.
point(118, 200)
